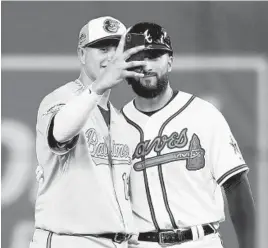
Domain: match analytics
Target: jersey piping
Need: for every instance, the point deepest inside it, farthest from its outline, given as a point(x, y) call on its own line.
point(160, 172)
point(149, 198)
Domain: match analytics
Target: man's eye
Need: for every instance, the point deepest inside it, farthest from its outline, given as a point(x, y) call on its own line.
point(153, 57)
point(104, 49)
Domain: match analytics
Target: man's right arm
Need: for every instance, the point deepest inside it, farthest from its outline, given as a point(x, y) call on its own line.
point(72, 117)
point(61, 117)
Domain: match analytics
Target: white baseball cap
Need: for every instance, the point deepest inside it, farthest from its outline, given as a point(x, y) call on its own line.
point(102, 28)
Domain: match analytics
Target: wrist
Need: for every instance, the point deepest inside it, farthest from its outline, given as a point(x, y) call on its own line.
point(95, 88)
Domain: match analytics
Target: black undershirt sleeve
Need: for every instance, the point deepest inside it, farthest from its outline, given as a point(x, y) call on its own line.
point(241, 208)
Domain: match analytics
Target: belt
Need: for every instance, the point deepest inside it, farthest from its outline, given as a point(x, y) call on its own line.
point(116, 237)
point(172, 236)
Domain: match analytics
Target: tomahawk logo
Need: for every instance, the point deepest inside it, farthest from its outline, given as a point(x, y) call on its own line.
point(194, 156)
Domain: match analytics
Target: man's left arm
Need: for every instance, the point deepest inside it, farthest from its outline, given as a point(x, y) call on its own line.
point(241, 208)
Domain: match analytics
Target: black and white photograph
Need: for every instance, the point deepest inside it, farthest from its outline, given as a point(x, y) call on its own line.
point(134, 124)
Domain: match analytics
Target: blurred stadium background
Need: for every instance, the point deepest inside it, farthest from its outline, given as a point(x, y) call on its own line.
point(221, 54)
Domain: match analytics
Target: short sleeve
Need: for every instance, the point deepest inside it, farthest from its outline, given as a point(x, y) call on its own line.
point(224, 154)
point(48, 109)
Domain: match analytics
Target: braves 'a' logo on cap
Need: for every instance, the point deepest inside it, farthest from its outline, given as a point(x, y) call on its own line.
point(111, 25)
point(148, 36)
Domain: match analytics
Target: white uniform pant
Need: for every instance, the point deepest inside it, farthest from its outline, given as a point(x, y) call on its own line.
point(42, 239)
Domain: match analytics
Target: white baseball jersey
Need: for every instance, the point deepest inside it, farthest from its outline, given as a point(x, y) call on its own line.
point(184, 153)
point(81, 192)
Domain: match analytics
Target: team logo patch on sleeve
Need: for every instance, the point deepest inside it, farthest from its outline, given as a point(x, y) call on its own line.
point(235, 146)
point(54, 109)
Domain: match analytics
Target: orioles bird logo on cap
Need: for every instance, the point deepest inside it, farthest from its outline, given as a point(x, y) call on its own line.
point(82, 38)
point(111, 26)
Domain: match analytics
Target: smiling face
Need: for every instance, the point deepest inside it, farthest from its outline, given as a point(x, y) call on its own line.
point(96, 57)
point(156, 73)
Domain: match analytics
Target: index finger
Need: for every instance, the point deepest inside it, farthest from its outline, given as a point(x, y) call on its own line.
point(120, 48)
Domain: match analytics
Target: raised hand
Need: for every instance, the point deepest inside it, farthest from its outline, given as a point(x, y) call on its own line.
point(116, 71)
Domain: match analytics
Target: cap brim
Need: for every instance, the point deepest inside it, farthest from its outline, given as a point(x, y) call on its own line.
point(112, 37)
point(157, 47)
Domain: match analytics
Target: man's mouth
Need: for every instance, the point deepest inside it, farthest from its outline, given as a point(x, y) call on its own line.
point(149, 74)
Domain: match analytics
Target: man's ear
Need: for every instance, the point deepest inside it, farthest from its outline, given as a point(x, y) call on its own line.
point(170, 62)
point(81, 55)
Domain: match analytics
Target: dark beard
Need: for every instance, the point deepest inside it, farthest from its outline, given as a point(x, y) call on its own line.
point(146, 92)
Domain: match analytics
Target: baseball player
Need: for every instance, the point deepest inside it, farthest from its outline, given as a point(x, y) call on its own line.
point(81, 145)
point(185, 153)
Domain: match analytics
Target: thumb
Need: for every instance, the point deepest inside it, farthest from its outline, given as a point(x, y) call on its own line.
point(133, 240)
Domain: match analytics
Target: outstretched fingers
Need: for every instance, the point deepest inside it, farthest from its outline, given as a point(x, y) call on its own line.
point(121, 45)
point(132, 74)
point(132, 51)
point(135, 64)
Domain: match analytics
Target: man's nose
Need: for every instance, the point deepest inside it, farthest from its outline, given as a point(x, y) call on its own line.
point(148, 65)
